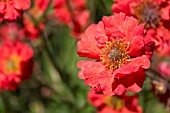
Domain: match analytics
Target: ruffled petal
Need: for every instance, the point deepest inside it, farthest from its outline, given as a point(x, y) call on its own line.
point(96, 99)
point(136, 46)
point(88, 45)
point(133, 66)
point(22, 4)
point(95, 75)
point(101, 35)
point(149, 46)
point(2, 7)
point(26, 54)
point(111, 23)
point(132, 82)
point(122, 6)
point(10, 12)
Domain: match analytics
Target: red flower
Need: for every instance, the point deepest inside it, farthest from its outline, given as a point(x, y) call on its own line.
point(164, 69)
point(121, 52)
point(61, 11)
point(29, 30)
point(76, 15)
point(161, 37)
point(37, 11)
point(10, 33)
point(11, 9)
point(114, 104)
point(15, 64)
point(155, 14)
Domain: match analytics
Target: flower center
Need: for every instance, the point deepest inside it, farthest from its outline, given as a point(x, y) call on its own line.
point(114, 54)
point(148, 13)
point(12, 65)
point(115, 102)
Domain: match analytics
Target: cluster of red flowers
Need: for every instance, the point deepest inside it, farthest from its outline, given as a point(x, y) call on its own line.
point(29, 31)
point(72, 13)
point(16, 62)
point(155, 14)
point(16, 59)
point(119, 50)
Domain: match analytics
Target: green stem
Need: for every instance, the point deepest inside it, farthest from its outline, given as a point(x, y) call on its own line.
point(5, 98)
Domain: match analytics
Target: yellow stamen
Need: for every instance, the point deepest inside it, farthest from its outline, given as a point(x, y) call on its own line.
point(114, 54)
point(115, 102)
point(12, 65)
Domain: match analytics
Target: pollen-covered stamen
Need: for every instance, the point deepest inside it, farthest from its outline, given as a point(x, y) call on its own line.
point(114, 54)
point(148, 13)
point(115, 102)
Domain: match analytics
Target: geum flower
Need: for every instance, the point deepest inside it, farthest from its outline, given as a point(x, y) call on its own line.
point(10, 33)
point(30, 31)
point(120, 52)
point(15, 64)
point(164, 69)
point(114, 104)
point(162, 41)
point(11, 9)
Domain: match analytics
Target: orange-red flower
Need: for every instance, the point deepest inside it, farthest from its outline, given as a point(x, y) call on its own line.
point(10, 33)
point(11, 9)
point(29, 30)
point(73, 14)
point(120, 52)
point(164, 69)
point(15, 64)
point(114, 104)
point(161, 37)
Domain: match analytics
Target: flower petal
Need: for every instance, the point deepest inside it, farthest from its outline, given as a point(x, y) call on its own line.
point(94, 74)
point(22, 4)
point(136, 46)
point(132, 82)
point(88, 46)
point(133, 66)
